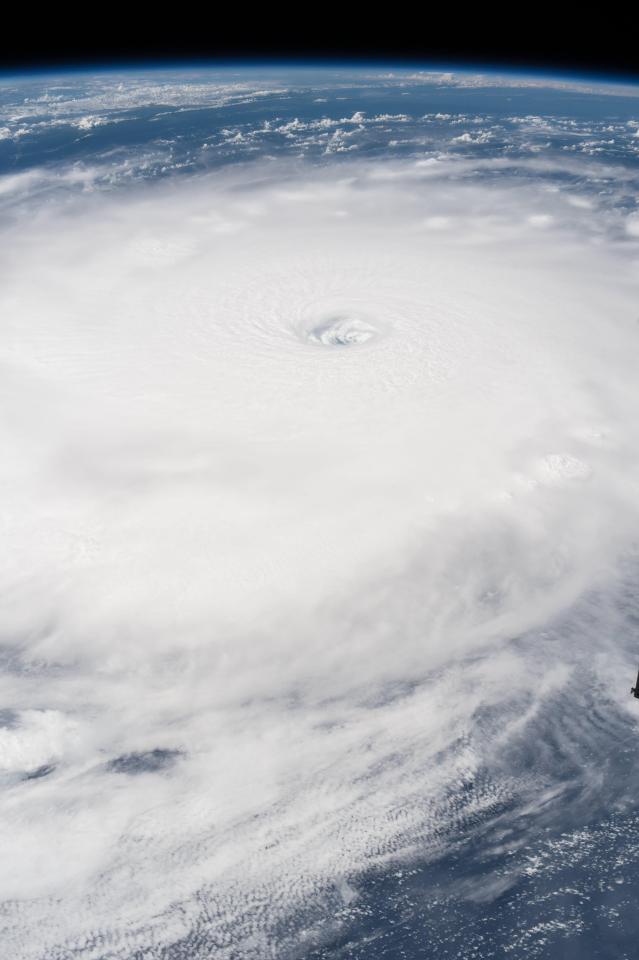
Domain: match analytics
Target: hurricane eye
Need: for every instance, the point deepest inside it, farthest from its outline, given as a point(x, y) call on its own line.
point(342, 332)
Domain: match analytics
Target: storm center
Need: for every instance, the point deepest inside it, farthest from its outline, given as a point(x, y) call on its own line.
point(342, 332)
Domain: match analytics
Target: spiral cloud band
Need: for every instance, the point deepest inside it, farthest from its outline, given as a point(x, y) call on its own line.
point(320, 501)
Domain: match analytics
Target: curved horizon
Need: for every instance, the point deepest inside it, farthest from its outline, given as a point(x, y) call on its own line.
point(472, 66)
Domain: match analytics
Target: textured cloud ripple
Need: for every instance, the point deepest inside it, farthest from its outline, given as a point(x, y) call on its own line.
point(319, 512)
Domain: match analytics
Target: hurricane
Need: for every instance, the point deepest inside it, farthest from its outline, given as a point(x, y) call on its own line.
point(320, 503)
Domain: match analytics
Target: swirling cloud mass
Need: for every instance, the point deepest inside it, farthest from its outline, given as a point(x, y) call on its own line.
point(320, 503)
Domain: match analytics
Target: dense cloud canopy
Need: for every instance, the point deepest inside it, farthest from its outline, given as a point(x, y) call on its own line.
point(319, 517)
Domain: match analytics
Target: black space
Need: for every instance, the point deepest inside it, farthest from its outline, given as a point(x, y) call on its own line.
point(573, 41)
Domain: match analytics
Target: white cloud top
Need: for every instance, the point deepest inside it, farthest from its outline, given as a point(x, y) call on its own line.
point(301, 469)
